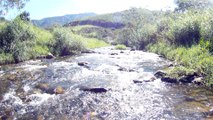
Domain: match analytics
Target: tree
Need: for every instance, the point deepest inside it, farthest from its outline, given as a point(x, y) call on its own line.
point(5, 5)
point(25, 16)
point(184, 5)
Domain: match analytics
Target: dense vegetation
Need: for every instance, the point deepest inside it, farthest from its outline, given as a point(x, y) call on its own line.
point(20, 40)
point(184, 35)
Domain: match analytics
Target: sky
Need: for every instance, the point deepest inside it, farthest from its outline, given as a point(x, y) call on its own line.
point(39, 9)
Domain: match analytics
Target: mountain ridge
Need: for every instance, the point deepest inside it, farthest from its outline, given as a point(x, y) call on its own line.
point(60, 20)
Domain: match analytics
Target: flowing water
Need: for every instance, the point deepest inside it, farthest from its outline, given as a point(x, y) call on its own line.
point(25, 89)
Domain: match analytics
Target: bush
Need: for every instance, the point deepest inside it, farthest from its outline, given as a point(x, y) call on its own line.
point(23, 41)
point(16, 31)
point(65, 44)
point(184, 31)
point(6, 58)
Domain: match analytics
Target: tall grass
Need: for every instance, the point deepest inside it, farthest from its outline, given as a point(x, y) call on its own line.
point(194, 59)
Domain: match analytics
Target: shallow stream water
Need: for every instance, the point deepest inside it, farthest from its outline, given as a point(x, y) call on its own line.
point(113, 70)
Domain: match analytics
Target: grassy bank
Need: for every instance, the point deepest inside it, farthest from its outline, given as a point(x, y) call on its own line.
point(193, 59)
point(20, 40)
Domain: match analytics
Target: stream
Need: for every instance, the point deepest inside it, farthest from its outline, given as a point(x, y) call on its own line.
point(55, 89)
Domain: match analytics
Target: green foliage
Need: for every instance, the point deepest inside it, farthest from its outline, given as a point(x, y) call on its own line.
point(184, 5)
point(6, 58)
point(16, 31)
point(120, 47)
point(17, 38)
point(179, 71)
point(184, 31)
point(25, 16)
point(64, 43)
point(5, 5)
point(90, 42)
point(23, 41)
point(195, 59)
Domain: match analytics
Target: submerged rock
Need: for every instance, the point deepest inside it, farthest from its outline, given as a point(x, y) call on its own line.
point(12, 77)
point(87, 51)
point(122, 52)
point(113, 53)
point(43, 86)
point(137, 81)
point(122, 69)
point(153, 78)
point(40, 117)
point(146, 80)
point(59, 90)
point(93, 90)
point(125, 69)
point(46, 88)
point(83, 63)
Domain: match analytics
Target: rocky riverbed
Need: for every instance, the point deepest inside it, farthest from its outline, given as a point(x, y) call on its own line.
point(105, 84)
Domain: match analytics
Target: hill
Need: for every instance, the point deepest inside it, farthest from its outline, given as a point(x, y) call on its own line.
point(60, 20)
point(115, 28)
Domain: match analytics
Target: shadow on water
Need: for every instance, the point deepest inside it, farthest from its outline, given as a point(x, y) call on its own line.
point(64, 89)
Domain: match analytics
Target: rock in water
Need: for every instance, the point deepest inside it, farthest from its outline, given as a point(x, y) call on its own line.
point(43, 86)
point(59, 90)
point(198, 80)
point(88, 51)
point(137, 81)
point(169, 80)
point(186, 79)
point(122, 52)
point(113, 53)
point(83, 63)
point(93, 90)
point(159, 74)
point(122, 69)
point(49, 56)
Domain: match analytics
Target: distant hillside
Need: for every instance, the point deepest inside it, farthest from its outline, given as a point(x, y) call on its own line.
point(115, 28)
point(100, 23)
point(60, 20)
point(117, 20)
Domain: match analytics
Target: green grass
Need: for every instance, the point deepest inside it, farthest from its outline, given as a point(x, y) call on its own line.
point(120, 47)
point(90, 42)
point(194, 59)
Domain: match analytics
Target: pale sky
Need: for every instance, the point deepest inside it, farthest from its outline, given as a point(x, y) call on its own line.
point(39, 9)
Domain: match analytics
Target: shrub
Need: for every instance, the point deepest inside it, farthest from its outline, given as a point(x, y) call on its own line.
point(16, 31)
point(6, 58)
point(64, 43)
point(184, 31)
